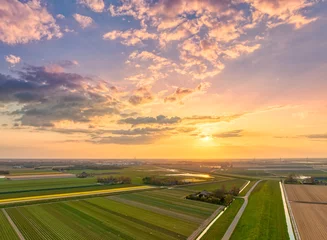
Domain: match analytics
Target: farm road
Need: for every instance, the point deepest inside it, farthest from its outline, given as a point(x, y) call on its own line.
point(238, 216)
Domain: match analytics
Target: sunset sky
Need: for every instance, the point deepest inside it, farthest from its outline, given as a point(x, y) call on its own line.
point(163, 78)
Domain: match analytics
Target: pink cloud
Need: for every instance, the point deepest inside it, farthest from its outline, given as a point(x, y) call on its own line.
point(25, 22)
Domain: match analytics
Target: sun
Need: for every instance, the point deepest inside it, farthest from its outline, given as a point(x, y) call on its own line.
point(206, 138)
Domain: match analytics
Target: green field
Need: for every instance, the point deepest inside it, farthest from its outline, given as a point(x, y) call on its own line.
point(169, 201)
point(264, 216)
point(213, 186)
point(219, 228)
point(41, 192)
point(6, 231)
point(113, 217)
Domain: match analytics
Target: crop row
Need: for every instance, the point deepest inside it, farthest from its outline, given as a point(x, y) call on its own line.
point(6, 231)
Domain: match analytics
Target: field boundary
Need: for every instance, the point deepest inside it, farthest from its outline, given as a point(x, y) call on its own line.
point(295, 230)
point(13, 225)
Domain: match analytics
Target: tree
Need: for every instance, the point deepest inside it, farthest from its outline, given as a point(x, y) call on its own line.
point(228, 199)
point(219, 193)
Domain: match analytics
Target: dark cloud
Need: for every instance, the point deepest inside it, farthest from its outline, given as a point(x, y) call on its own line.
point(181, 93)
point(316, 136)
point(141, 131)
point(48, 96)
point(161, 119)
point(126, 140)
point(141, 95)
point(229, 134)
point(209, 119)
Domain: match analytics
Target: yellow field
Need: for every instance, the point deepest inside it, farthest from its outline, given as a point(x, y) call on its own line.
point(70, 195)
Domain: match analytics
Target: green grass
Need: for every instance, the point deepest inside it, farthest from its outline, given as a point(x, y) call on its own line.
point(6, 231)
point(219, 228)
point(264, 216)
point(213, 186)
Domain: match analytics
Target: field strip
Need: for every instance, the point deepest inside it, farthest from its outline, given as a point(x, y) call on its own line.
point(156, 209)
point(290, 212)
point(19, 234)
point(287, 215)
point(238, 216)
point(70, 195)
point(245, 186)
point(205, 224)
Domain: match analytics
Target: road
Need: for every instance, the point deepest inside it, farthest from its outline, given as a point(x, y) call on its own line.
point(71, 195)
point(238, 216)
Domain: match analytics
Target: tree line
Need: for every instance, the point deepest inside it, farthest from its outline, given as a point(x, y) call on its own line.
point(218, 196)
point(163, 181)
point(114, 180)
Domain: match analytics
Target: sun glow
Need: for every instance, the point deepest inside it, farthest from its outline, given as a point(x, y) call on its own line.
point(206, 138)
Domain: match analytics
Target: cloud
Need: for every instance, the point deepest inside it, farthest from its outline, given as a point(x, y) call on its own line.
point(84, 21)
point(94, 5)
point(285, 11)
point(141, 131)
point(229, 134)
point(141, 95)
point(125, 140)
point(316, 136)
point(60, 66)
point(12, 59)
point(212, 119)
point(60, 16)
point(161, 119)
point(130, 37)
point(206, 34)
point(181, 93)
point(21, 23)
point(46, 97)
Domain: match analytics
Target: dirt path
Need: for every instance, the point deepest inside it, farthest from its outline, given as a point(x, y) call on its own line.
point(156, 209)
point(13, 225)
point(238, 216)
point(203, 226)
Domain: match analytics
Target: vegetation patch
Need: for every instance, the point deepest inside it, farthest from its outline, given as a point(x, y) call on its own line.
point(264, 216)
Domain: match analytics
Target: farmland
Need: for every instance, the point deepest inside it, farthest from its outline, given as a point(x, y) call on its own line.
point(228, 183)
point(306, 193)
point(71, 195)
point(309, 208)
point(264, 216)
point(146, 215)
point(6, 231)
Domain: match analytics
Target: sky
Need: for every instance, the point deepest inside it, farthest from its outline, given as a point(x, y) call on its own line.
point(172, 79)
